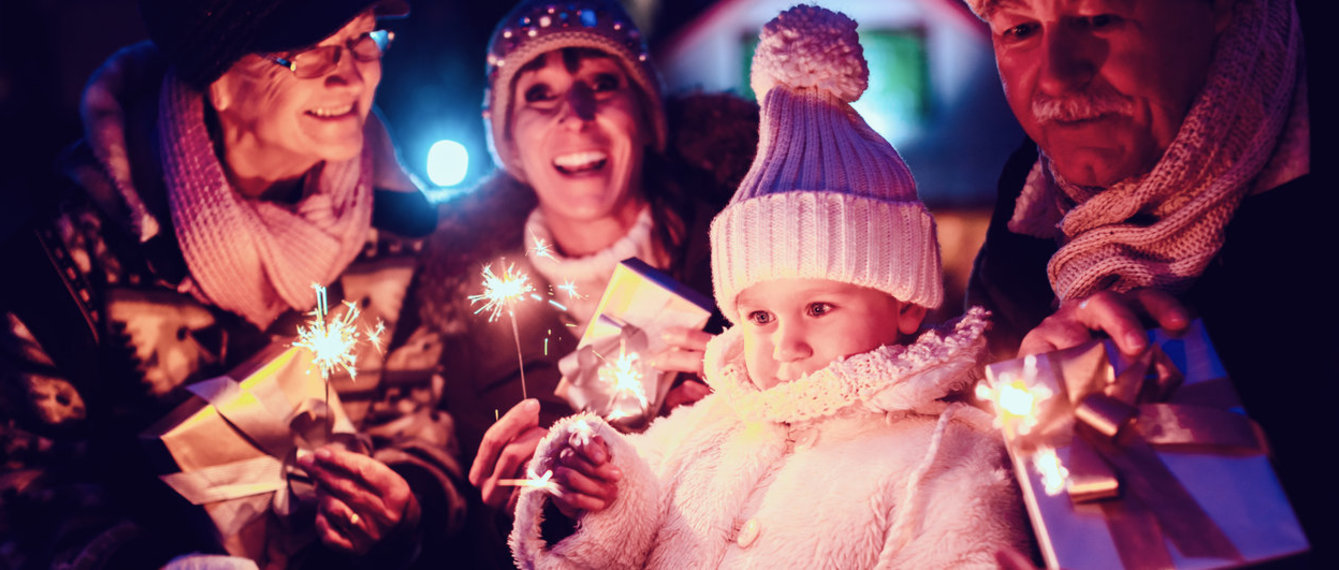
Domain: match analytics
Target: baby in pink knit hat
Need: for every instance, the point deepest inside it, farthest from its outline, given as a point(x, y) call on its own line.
point(832, 437)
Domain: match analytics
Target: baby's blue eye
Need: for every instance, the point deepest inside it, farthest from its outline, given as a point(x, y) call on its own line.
point(760, 317)
point(819, 309)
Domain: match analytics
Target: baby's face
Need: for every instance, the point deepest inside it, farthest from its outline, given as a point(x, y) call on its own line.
point(793, 327)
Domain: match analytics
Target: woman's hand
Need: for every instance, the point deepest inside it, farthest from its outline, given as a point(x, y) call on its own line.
point(1116, 314)
point(685, 352)
point(505, 451)
point(589, 481)
point(361, 500)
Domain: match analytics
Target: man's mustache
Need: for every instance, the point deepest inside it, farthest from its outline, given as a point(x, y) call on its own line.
point(1091, 103)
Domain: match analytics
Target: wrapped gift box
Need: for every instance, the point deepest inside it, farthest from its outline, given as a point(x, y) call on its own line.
point(609, 374)
point(1141, 462)
point(231, 448)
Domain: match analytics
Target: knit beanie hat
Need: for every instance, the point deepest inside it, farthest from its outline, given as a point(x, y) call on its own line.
point(826, 196)
point(536, 27)
point(201, 39)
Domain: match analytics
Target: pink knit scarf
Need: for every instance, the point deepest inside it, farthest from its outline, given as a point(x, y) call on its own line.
point(1252, 109)
point(253, 257)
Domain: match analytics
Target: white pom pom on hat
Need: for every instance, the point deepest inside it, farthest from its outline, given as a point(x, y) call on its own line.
point(810, 47)
point(826, 197)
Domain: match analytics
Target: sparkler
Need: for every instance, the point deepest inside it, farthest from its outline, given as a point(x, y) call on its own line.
point(333, 341)
point(625, 376)
point(571, 289)
point(542, 248)
point(581, 433)
point(1054, 476)
point(544, 482)
point(1017, 401)
point(502, 292)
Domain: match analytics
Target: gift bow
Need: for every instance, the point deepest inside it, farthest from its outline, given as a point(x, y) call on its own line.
point(266, 417)
point(1119, 419)
point(610, 376)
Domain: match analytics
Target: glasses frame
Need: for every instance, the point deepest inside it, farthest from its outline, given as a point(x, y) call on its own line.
point(382, 38)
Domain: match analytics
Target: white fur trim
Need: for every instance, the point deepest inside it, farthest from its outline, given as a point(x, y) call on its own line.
point(883, 245)
point(617, 537)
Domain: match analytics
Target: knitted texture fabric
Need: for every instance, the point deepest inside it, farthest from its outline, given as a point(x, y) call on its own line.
point(895, 377)
point(252, 257)
point(1226, 148)
point(826, 196)
point(536, 27)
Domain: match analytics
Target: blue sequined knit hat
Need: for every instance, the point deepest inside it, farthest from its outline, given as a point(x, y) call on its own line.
point(536, 27)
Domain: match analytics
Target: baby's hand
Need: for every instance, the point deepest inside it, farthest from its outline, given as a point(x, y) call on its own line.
point(588, 479)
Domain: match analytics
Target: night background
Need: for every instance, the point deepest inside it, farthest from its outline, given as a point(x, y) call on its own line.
point(934, 90)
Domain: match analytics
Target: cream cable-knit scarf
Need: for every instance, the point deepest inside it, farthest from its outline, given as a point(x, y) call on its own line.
point(892, 378)
point(589, 273)
point(1255, 87)
point(253, 257)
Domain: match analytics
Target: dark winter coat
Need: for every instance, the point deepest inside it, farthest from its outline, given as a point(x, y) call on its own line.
point(99, 342)
point(1264, 299)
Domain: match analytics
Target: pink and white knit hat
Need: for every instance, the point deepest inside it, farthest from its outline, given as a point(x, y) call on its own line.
point(826, 196)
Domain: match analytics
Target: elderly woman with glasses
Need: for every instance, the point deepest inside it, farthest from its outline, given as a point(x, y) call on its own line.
point(229, 168)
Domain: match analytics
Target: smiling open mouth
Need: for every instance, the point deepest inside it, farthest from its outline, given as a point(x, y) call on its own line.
point(579, 162)
point(331, 112)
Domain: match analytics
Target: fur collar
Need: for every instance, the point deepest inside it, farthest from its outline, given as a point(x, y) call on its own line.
point(893, 378)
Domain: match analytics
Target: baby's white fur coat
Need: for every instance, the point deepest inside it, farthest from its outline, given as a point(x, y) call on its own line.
point(859, 465)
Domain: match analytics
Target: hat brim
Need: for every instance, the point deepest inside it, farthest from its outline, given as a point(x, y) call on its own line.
point(301, 24)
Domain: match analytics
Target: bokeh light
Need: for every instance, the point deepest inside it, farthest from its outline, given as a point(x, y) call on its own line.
point(448, 161)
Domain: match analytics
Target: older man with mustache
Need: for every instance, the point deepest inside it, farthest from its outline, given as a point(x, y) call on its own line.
point(1170, 178)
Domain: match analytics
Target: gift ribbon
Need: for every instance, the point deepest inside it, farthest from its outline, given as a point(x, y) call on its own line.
point(265, 416)
point(1120, 418)
point(588, 390)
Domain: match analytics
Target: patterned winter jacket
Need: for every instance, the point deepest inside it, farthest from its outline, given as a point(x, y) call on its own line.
point(98, 343)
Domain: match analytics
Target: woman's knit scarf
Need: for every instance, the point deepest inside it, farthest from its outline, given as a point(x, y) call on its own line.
point(253, 257)
point(1252, 109)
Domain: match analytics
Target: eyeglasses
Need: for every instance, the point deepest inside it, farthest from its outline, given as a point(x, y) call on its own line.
point(320, 60)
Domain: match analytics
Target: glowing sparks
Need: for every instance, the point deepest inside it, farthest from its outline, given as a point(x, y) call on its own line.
point(571, 289)
point(501, 292)
point(624, 375)
point(374, 335)
point(580, 433)
point(542, 248)
point(332, 341)
point(1018, 402)
point(1054, 476)
point(534, 481)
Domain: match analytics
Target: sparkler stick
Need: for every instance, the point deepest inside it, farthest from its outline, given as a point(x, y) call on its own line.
point(544, 482)
point(502, 292)
point(332, 342)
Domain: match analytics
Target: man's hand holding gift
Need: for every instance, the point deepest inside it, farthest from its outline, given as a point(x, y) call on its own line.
point(1119, 315)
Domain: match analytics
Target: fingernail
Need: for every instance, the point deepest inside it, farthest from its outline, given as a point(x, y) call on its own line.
point(305, 458)
point(1135, 341)
point(323, 454)
point(618, 474)
point(531, 405)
